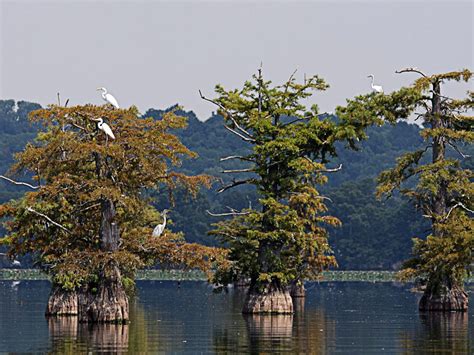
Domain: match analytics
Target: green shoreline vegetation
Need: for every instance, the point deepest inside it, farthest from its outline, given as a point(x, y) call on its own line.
point(196, 275)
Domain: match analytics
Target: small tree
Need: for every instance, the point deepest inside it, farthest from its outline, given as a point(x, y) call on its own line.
point(285, 240)
point(442, 187)
point(88, 220)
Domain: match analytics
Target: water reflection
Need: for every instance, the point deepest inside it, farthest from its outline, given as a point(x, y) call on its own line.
point(68, 336)
point(350, 318)
point(441, 333)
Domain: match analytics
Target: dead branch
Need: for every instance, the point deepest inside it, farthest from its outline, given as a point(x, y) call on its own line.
point(29, 209)
point(330, 170)
point(459, 204)
point(455, 147)
point(236, 157)
point(227, 214)
point(20, 183)
point(249, 170)
point(411, 70)
point(238, 134)
point(234, 184)
point(228, 114)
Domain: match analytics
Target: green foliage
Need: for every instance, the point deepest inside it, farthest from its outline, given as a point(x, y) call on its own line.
point(78, 170)
point(286, 239)
point(443, 188)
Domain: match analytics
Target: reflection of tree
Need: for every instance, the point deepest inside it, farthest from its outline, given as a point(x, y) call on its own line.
point(440, 332)
point(269, 332)
point(313, 332)
point(70, 337)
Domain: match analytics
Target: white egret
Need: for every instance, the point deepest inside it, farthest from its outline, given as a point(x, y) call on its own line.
point(160, 227)
point(109, 98)
point(105, 128)
point(16, 263)
point(375, 88)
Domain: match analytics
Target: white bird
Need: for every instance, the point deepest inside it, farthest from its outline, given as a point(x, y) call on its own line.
point(160, 227)
point(109, 98)
point(105, 128)
point(375, 88)
point(16, 263)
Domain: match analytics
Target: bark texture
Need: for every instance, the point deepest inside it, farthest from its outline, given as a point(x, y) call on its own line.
point(448, 299)
point(62, 302)
point(272, 299)
point(108, 303)
point(297, 289)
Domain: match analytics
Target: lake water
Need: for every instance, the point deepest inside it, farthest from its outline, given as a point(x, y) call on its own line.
point(340, 317)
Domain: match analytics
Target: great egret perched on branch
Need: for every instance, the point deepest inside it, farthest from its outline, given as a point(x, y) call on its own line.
point(375, 88)
point(109, 98)
point(105, 128)
point(160, 227)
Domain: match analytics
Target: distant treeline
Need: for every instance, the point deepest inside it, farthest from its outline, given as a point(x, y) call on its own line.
point(375, 234)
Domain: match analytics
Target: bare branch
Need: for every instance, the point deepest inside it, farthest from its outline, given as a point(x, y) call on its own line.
point(20, 183)
point(238, 134)
point(233, 184)
point(459, 204)
point(227, 213)
point(236, 157)
point(228, 113)
point(331, 170)
point(411, 70)
point(455, 147)
point(49, 220)
point(238, 171)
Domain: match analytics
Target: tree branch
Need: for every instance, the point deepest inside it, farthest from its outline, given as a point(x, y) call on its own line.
point(455, 147)
point(238, 134)
point(459, 204)
point(233, 212)
point(236, 157)
point(20, 183)
point(238, 171)
point(29, 209)
point(228, 113)
point(411, 70)
point(233, 184)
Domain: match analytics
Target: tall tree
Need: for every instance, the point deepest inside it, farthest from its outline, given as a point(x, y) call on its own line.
point(88, 220)
point(440, 186)
point(284, 240)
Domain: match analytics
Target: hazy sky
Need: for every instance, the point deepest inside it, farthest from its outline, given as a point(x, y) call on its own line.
point(157, 53)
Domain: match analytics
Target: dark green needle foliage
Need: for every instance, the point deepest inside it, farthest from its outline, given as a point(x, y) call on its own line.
point(285, 239)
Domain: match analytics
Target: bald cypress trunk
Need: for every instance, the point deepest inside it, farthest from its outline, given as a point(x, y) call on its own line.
point(442, 293)
point(270, 298)
point(62, 302)
point(107, 302)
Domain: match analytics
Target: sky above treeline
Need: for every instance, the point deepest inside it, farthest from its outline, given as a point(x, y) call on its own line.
point(158, 53)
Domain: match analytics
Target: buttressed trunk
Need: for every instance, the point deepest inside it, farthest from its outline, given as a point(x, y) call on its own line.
point(108, 302)
point(270, 298)
point(441, 293)
point(62, 302)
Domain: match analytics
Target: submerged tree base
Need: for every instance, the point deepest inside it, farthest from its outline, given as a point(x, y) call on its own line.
point(108, 304)
point(297, 290)
point(452, 299)
point(62, 302)
point(274, 300)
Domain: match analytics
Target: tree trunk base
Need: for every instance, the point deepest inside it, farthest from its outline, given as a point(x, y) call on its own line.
point(297, 290)
point(454, 299)
point(62, 303)
point(109, 304)
point(274, 300)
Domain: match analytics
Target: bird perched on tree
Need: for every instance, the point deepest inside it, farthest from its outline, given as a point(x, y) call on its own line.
point(375, 88)
point(105, 128)
point(16, 263)
point(109, 98)
point(160, 227)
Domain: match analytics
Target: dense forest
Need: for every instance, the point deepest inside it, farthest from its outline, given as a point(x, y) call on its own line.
point(374, 235)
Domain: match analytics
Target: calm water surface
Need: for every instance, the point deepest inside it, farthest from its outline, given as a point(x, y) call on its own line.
point(349, 318)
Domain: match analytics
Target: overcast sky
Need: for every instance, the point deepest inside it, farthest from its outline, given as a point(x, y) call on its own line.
point(158, 53)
